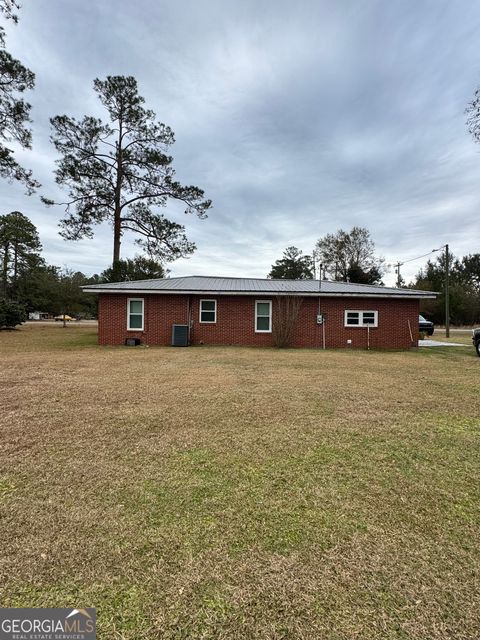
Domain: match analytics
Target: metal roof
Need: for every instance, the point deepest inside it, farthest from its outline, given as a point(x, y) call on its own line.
point(254, 286)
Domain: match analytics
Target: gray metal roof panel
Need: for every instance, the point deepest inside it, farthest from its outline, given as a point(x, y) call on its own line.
point(266, 286)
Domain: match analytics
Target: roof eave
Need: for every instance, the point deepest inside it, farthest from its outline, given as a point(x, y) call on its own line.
point(307, 294)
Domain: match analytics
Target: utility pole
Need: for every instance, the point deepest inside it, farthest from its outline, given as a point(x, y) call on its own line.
point(447, 292)
point(315, 263)
point(399, 277)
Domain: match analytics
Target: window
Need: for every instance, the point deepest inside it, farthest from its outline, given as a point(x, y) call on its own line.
point(361, 318)
point(370, 317)
point(352, 318)
point(263, 316)
point(208, 311)
point(135, 314)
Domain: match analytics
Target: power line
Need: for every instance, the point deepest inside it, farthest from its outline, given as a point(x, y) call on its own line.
point(447, 280)
point(418, 257)
point(400, 264)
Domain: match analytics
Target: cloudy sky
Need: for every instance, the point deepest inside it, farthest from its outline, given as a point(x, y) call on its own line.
point(296, 118)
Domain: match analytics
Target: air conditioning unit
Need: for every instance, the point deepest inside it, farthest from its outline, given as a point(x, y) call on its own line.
point(180, 335)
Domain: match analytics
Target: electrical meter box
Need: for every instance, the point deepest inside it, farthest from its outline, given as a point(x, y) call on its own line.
point(320, 318)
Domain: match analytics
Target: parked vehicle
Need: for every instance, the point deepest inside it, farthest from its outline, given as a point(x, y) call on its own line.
point(425, 325)
point(62, 318)
point(476, 340)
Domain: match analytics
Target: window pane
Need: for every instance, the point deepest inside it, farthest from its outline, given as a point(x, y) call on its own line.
point(208, 316)
point(369, 318)
point(136, 306)
point(263, 323)
point(136, 321)
point(263, 309)
point(208, 305)
point(352, 317)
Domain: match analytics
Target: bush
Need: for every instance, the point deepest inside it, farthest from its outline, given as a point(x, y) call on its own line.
point(286, 313)
point(11, 314)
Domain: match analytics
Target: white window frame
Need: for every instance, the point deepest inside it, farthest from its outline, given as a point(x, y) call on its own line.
point(361, 323)
point(269, 302)
point(207, 311)
point(142, 300)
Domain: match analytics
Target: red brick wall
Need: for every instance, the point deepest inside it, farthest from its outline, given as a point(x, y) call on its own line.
point(161, 311)
point(236, 321)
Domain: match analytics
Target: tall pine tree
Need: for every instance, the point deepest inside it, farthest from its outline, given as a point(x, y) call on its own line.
point(19, 241)
point(120, 171)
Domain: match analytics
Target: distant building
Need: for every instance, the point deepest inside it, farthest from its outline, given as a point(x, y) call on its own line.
point(38, 315)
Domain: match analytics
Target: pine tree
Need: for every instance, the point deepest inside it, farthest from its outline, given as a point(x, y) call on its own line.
point(120, 171)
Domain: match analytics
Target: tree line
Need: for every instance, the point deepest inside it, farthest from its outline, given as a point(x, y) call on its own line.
point(464, 289)
point(344, 255)
point(349, 256)
point(28, 283)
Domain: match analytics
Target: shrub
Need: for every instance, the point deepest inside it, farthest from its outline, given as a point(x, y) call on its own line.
point(11, 314)
point(286, 313)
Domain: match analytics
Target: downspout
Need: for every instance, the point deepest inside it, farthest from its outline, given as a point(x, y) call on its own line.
point(319, 306)
point(189, 319)
point(323, 320)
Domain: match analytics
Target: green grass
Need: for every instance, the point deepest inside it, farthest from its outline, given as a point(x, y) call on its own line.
point(52, 336)
point(461, 336)
point(241, 493)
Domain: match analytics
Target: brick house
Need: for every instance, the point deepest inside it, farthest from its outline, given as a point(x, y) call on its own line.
point(245, 311)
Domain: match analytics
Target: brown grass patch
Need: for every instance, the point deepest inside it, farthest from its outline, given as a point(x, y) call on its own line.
point(240, 493)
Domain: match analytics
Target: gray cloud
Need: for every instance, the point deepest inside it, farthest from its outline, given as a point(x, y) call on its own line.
point(295, 119)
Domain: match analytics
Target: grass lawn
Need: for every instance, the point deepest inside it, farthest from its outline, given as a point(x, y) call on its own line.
point(241, 493)
point(460, 336)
